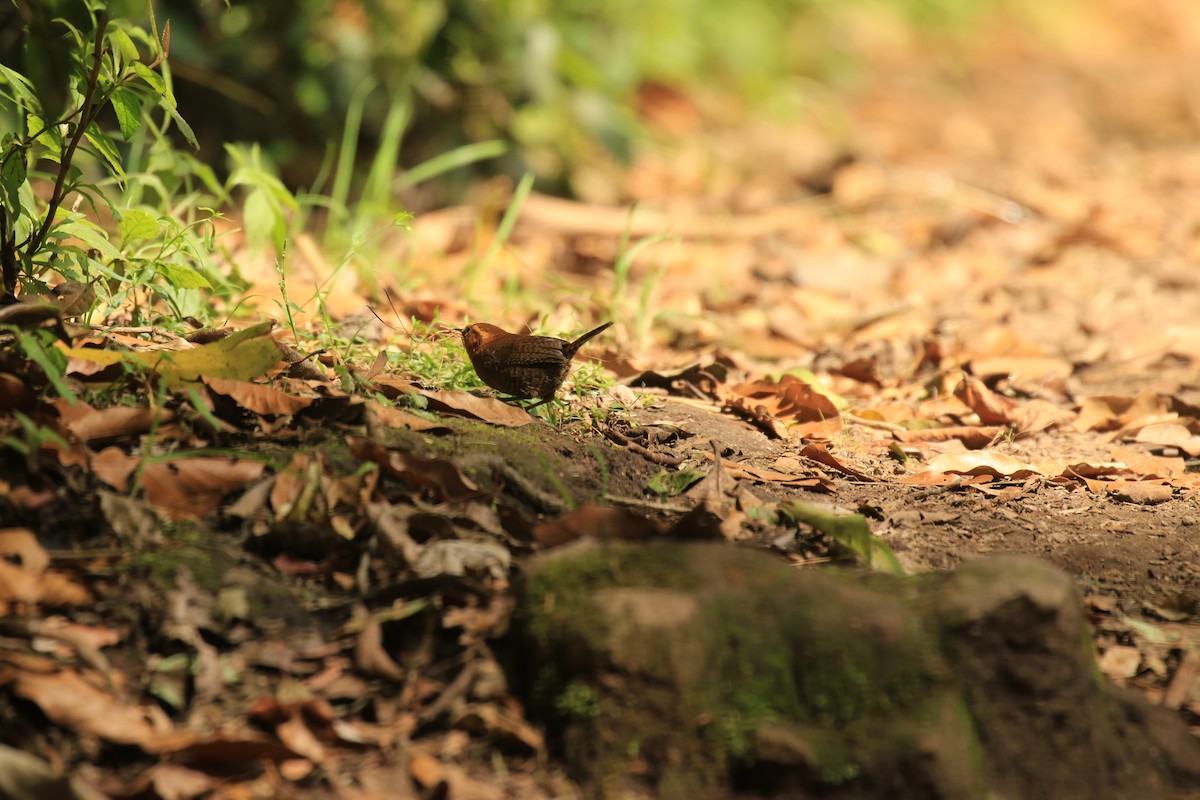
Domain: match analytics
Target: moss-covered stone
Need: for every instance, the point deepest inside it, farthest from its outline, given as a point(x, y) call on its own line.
point(705, 670)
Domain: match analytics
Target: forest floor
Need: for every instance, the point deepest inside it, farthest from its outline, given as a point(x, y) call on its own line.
point(961, 301)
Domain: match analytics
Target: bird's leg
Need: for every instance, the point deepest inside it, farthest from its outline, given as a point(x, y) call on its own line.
point(543, 401)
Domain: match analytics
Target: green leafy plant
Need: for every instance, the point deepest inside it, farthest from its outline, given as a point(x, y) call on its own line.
point(125, 213)
point(669, 483)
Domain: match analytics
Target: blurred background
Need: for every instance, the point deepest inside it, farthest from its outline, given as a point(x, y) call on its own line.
point(569, 87)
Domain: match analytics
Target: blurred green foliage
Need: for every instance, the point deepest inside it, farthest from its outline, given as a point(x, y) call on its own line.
point(555, 78)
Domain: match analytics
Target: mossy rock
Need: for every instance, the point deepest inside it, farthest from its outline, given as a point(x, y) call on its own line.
point(691, 670)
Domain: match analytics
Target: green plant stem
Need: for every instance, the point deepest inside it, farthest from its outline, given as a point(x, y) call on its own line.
point(85, 114)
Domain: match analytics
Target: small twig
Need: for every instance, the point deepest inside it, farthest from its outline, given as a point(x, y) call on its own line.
point(662, 459)
point(453, 691)
point(85, 115)
point(933, 491)
point(641, 502)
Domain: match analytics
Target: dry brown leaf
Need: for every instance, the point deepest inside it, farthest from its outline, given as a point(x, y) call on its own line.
point(983, 462)
point(1170, 434)
point(991, 408)
point(294, 733)
point(392, 387)
point(431, 473)
point(602, 522)
point(1146, 465)
point(430, 773)
point(69, 700)
point(820, 453)
point(1032, 416)
point(24, 574)
point(259, 397)
point(115, 421)
point(371, 659)
point(170, 781)
point(1140, 492)
point(486, 409)
point(804, 411)
point(1022, 368)
point(391, 417)
point(972, 437)
point(223, 748)
point(114, 467)
point(190, 488)
point(1112, 412)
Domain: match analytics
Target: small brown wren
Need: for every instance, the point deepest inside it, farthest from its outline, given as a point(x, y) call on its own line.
point(521, 365)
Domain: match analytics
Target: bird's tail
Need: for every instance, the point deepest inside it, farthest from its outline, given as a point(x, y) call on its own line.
point(578, 343)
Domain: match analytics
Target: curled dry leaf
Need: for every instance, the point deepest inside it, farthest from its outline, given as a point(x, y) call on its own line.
point(991, 408)
point(819, 452)
point(1111, 412)
point(429, 473)
point(804, 410)
point(259, 397)
point(371, 659)
point(983, 463)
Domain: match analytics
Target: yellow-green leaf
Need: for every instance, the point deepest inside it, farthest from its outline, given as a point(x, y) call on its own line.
point(182, 277)
point(850, 531)
point(138, 224)
point(89, 234)
point(243, 356)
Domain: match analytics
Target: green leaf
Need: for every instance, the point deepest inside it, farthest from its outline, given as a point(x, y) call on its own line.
point(107, 150)
point(849, 531)
point(12, 178)
point(50, 365)
point(167, 105)
point(89, 234)
point(668, 484)
point(124, 44)
point(454, 159)
point(48, 137)
point(150, 77)
point(182, 277)
point(138, 224)
point(128, 108)
point(21, 85)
